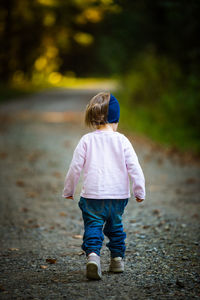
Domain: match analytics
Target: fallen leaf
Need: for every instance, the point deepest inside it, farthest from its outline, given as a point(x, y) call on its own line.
point(24, 209)
point(31, 194)
point(55, 280)
point(3, 155)
point(51, 260)
point(81, 253)
point(160, 161)
point(57, 174)
point(20, 183)
point(146, 226)
point(156, 212)
point(67, 144)
point(132, 221)
point(13, 249)
point(33, 156)
point(30, 221)
point(190, 180)
point(63, 214)
point(2, 289)
point(43, 267)
point(35, 226)
point(195, 215)
point(147, 157)
point(77, 236)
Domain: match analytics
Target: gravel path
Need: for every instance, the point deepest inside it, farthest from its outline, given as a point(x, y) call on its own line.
point(41, 233)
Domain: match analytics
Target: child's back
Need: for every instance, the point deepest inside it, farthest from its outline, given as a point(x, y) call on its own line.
point(107, 159)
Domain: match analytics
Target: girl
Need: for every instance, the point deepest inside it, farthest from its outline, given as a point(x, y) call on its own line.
point(107, 159)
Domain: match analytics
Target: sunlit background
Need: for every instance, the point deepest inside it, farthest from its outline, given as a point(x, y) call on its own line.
point(150, 49)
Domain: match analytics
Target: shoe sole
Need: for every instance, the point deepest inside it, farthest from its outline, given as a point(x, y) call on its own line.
point(92, 271)
point(116, 270)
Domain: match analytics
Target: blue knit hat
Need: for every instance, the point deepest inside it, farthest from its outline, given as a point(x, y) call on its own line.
point(113, 110)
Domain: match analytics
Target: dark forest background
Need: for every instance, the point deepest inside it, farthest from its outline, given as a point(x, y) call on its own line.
point(151, 47)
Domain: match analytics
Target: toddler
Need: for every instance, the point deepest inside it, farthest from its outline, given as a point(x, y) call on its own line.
point(107, 159)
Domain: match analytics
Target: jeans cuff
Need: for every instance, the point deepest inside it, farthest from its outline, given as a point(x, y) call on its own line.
point(117, 254)
point(87, 252)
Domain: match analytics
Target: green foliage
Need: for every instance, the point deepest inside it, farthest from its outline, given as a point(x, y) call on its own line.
point(162, 103)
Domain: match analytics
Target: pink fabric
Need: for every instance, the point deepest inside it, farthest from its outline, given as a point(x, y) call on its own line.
point(107, 159)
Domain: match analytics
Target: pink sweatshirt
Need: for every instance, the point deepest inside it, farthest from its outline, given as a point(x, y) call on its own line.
point(107, 159)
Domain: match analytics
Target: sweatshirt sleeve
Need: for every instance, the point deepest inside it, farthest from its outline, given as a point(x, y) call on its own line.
point(135, 171)
point(75, 169)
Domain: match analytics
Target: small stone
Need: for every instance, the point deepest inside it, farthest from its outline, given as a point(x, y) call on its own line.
point(184, 258)
point(167, 228)
point(142, 236)
point(180, 283)
point(183, 225)
point(161, 223)
point(157, 230)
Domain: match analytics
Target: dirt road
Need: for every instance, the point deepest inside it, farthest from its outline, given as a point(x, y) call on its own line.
point(40, 232)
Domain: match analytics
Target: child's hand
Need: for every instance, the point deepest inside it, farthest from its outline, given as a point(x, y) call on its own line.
point(139, 200)
point(70, 197)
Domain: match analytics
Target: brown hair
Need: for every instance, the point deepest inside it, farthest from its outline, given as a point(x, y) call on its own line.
point(97, 110)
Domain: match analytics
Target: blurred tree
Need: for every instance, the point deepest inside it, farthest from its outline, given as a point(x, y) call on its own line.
point(94, 37)
point(170, 27)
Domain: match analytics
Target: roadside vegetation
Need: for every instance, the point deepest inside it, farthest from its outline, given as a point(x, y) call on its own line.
point(162, 103)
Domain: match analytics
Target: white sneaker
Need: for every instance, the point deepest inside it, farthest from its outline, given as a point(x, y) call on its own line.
point(93, 267)
point(116, 265)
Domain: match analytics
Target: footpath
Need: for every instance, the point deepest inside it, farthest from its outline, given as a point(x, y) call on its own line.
point(41, 233)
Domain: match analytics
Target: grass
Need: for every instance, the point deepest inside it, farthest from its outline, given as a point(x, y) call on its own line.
point(159, 101)
point(141, 120)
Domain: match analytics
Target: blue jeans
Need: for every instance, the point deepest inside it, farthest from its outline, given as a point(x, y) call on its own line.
point(103, 216)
